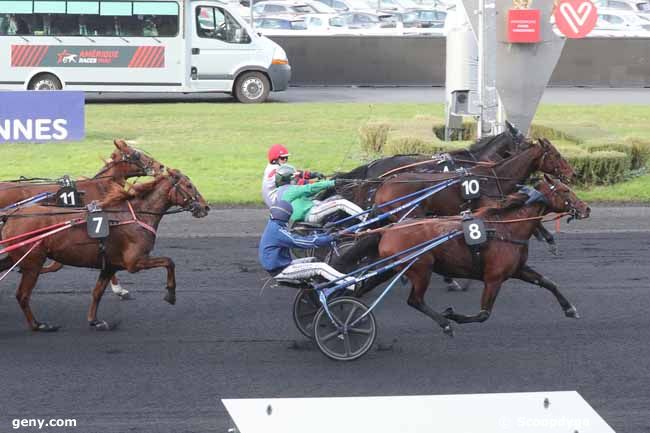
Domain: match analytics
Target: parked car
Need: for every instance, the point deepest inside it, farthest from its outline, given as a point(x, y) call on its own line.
point(395, 5)
point(368, 20)
point(324, 22)
point(431, 18)
point(280, 23)
point(349, 5)
point(621, 21)
point(636, 6)
point(289, 8)
point(419, 18)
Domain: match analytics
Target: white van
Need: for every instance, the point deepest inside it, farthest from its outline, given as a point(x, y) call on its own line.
point(136, 46)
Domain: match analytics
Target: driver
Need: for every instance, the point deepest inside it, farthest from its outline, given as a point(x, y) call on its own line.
point(275, 250)
point(278, 155)
point(301, 197)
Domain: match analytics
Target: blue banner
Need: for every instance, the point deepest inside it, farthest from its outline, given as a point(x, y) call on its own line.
point(41, 116)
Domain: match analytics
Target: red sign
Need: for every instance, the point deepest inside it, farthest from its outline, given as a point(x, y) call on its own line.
point(523, 26)
point(575, 18)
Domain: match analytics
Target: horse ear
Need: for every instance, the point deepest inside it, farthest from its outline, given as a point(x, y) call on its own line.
point(119, 143)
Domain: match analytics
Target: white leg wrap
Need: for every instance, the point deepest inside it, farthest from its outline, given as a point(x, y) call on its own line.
point(118, 289)
point(300, 271)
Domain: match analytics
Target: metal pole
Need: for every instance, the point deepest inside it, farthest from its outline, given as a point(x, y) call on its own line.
point(487, 46)
point(251, 2)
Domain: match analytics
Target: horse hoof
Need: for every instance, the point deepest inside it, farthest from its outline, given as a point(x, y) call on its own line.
point(44, 327)
point(572, 313)
point(171, 299)
point(449, 311)
point(448, 330)
point(454, 286)
point(126, 296)
point(553, 249)
point(100, 325)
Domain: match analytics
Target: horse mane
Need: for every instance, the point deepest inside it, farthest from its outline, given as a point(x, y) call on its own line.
point(355, 173)
point(480, 144)
point(117, 194)
point(510, 202)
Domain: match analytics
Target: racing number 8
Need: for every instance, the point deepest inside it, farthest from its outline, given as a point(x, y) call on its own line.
point(475, 231)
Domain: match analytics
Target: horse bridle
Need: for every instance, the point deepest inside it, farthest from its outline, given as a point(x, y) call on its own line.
point(190, 202)
point(568, 203)
point(133, 158)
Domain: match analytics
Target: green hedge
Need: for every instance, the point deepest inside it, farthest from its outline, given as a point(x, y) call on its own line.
point(596, 161)
point(601, 167)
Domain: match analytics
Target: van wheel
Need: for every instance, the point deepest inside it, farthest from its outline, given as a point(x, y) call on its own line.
point(45, 82)
point(252, 87)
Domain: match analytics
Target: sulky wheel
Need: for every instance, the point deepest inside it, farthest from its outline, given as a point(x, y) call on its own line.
point(305, 307)
point(347, 338)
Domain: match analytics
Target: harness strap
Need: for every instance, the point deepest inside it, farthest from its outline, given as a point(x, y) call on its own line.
point(491, 234)
point(135, 220)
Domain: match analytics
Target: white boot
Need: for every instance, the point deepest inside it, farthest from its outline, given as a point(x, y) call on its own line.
point(119, 291)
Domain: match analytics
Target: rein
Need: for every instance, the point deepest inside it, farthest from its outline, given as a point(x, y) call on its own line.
point(454, 218)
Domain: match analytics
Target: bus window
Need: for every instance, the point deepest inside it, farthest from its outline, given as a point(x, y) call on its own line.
point(216, 23)
point(90, 18)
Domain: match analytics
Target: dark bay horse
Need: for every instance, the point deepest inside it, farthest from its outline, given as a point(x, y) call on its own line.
point(501, 179)
point(125, 162)
point(502, 257)
point(131, 238)
point(492, 148)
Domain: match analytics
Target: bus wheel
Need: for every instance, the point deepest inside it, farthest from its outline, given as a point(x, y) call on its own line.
point(45, 82)
point(252, 87)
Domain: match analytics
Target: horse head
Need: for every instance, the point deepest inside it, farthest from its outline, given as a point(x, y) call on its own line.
point(553, 163)
point(560, 198)
point(184, 194)
point(133, 162)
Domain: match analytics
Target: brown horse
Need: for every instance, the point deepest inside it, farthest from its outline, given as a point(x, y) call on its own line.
point(503, 256)
point(125, 162)
point(131, 238)
point(501, 179)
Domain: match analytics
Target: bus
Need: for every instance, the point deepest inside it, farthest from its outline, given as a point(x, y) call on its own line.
point(137, 46)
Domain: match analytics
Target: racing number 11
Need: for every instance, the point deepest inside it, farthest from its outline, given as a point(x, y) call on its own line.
point(68, 198)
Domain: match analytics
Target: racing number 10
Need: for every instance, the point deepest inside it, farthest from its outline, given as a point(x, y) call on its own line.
point(470, 188)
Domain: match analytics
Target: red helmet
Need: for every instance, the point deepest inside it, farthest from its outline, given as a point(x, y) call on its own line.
point(276, 151)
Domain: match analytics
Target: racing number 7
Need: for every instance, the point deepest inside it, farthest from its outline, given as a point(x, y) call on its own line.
point(97, 225)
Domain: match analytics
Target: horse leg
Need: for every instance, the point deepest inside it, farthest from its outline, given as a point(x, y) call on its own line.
point(420, 280)
point(454, 286)
point(23, 295)
point(118, 290)
point(542, 234)
point(530, 275)
point(489, 296)
point(98, 292)
point(53, 267)
point(159, 262)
